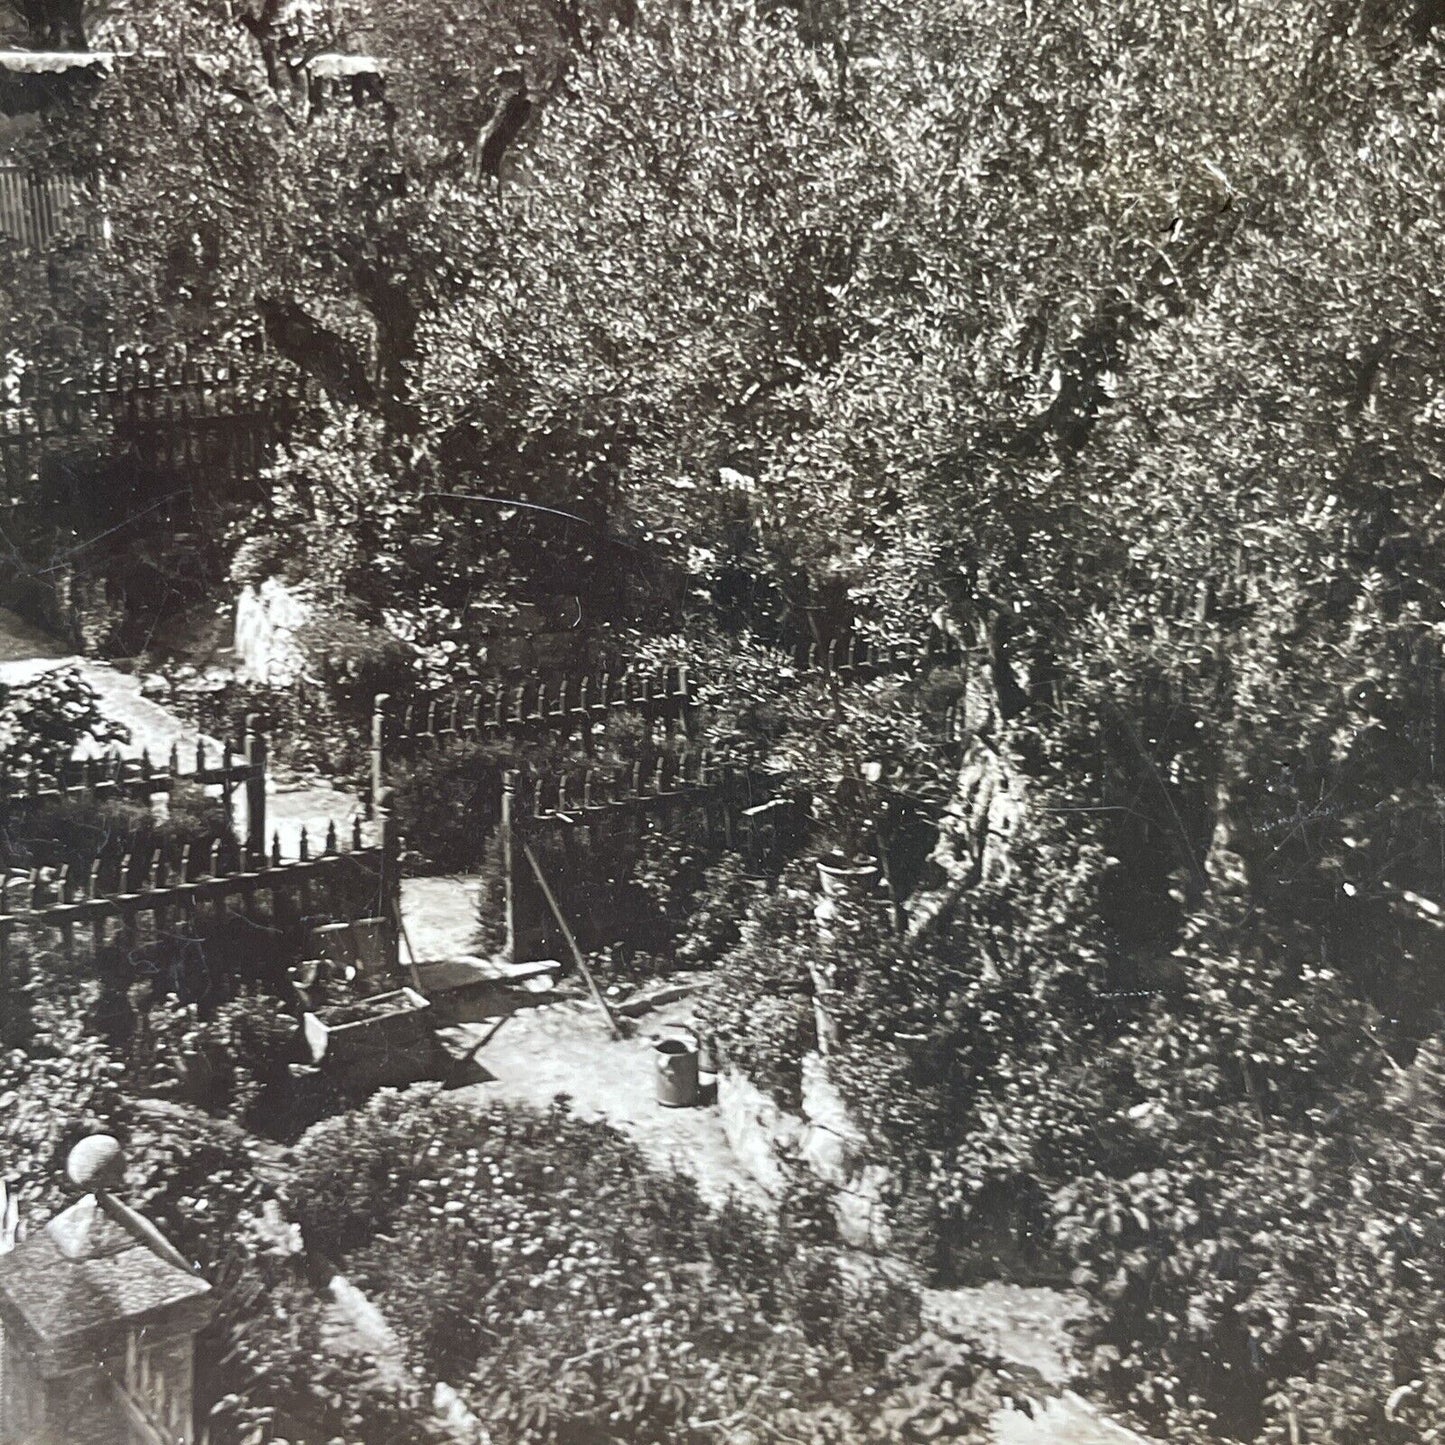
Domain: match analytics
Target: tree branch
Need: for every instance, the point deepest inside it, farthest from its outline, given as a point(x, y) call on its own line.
point(332, 360)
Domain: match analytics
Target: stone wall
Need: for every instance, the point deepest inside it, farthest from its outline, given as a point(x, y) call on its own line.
point(773, 1144)
point(268, 618)
point(834, 1148)
point(760, 1134)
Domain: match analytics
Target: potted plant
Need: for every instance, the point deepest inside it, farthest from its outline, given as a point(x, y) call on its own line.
point(850, 863)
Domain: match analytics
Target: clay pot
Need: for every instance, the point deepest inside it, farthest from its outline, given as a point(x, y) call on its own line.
point(840, 877)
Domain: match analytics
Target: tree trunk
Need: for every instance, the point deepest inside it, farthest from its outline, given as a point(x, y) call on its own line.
point(320, 353)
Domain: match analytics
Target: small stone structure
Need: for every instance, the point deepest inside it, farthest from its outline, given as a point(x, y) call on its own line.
point(268, 618)
point(99, 1316)
point(772, 1144)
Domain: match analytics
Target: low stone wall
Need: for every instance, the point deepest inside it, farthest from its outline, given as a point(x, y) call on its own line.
point(834, 1148)
point(759, 1133)
point(268, 618)
point(772, 1144)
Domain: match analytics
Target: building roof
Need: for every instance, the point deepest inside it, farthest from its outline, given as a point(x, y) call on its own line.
point(53, 62)
point(93, 1267)
point(57, 62)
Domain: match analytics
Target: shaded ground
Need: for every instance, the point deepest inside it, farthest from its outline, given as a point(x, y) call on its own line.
point(20, 642)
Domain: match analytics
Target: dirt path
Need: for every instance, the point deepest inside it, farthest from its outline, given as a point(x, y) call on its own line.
point(1064, 1419)
point(441, 916)
point(1029, 1327)
point(567, 1049)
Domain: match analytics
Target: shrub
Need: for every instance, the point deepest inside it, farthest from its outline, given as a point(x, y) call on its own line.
point(42, 722)
point(446, 803)
point(242, 1048)
point(698, 898)
point(58, 1080)
point(759, 1008)
point(711, 923)
point(260, 557)
point(506, 1244)
point(355, 662)
point(305, 730)
point(446, 800)
point(101, 623)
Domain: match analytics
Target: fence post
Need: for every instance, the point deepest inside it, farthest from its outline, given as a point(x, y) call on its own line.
point(390, 885)
point(378, 751)
point(255, 750)
point(4, 941)
point(509, 859)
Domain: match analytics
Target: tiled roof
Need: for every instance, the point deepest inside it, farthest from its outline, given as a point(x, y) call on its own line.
point(87, 1269)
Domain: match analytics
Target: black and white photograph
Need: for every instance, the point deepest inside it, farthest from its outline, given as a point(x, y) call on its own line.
point(722, 722)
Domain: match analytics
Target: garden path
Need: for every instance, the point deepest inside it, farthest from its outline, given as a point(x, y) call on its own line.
point(26, 653)
point(156, 729)
point(566, 1048)
point(440, 916)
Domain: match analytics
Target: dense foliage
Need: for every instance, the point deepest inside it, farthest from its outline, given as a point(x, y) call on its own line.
point(535, 1265)
point(1104, 340)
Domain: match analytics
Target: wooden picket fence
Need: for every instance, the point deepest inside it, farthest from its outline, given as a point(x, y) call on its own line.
point(60, 400)
point(137, 779)
point(539, 702)
point(532, 705)
point(573, 703)
point(36, 209)
point(229, 877)
point(124, 886)
point(858, 658)
point(676, 781)
point(189, 420)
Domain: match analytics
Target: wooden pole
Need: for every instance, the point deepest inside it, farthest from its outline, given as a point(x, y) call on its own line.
point(255, 744)
point(4, 942)
point(507, 826)
point(392, 925)
point(378, 746)
point(571, 942)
